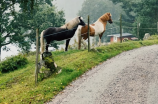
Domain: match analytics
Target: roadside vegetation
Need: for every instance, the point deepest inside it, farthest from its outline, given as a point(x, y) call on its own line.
point(18, 86)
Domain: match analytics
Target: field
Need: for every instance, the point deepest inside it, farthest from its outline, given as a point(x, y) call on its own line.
point(20, 86)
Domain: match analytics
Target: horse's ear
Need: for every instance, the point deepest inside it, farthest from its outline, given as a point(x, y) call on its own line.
point(109, 13)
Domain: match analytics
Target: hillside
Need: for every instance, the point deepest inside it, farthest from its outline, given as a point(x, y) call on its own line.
point(19, 86)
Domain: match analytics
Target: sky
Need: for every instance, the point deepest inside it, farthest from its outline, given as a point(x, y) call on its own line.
point(70, 7)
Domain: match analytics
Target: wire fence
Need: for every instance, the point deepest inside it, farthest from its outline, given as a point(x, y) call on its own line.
point(112, 28)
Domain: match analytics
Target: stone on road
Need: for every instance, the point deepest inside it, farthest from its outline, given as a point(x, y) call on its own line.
point(129, 78)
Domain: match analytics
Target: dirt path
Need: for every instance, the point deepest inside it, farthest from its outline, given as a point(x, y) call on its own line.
point(128, 78)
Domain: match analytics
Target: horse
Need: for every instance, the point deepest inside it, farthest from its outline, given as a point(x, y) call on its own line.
point(97, 28)
point(65, 32)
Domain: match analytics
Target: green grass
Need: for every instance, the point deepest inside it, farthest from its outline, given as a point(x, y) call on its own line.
point(74, 63)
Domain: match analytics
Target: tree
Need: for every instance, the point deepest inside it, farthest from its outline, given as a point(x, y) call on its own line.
point(47, 16)
point(16, 25)
point(128, 14)
point(140, 11)
point(147, 13)
point(25, 5)
point(96, 8)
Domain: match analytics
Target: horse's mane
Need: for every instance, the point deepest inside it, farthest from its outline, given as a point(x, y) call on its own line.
point(105, 16)
point(71, 24)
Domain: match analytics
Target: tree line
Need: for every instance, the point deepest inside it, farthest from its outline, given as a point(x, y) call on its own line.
point(134, 12)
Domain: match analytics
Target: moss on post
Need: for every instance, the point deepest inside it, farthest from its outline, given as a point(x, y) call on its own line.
point(47, 65)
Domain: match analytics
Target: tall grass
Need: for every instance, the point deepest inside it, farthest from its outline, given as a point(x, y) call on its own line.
point(73, 63)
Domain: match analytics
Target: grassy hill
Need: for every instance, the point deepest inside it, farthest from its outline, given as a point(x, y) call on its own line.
point(20, 86)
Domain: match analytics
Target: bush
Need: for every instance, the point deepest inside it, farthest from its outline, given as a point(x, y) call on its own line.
point(153, 37)
point(13, 63)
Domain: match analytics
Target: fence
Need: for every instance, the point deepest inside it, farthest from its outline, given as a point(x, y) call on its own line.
point(109, 29)
point(140, 29)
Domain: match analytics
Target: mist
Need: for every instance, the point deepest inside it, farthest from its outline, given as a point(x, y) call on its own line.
point(70, 7)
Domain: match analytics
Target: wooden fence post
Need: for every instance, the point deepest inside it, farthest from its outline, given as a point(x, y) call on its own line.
point(37, 52)
point(157, 28)
point(120, 28)
point(88, 35)
point(138, 24)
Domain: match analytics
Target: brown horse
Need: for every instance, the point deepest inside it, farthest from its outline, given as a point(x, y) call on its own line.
point(97, 28)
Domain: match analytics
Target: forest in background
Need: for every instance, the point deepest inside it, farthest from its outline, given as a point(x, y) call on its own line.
point(134, 12)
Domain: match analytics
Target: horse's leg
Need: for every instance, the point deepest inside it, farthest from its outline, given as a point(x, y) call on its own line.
point(42, 43)
point(47, 45)
point(79, 41)
point(67, 44)
point(100, 38)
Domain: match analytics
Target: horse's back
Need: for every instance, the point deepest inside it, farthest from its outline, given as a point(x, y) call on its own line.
point(57, 33)
point(50, 30)
point(84, 31)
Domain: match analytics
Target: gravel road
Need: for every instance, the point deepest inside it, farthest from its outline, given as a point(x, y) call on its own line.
point(129, 78)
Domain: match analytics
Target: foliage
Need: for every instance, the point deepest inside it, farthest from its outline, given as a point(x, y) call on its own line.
point(11, 30)
point(44, 16)
point(13, 63)
point(129, 13)
point(73, 64)
point(96, 8)
point(144, 12)
point(25, 5)
point(19, 26)
point(153, 37)
point(147, 17)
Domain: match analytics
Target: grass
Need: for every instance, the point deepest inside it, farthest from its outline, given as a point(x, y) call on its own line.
point(74, 63)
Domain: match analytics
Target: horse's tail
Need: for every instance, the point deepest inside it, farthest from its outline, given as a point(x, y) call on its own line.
point(42, 42)
point(78, 34)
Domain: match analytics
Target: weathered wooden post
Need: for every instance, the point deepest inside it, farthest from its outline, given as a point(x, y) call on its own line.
point(138, 25)
point(88, 35)
point(37, 52)
point(157, 28)
point(120, 28)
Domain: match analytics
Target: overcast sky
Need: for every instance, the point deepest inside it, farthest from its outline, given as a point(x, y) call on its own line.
point(70, 7)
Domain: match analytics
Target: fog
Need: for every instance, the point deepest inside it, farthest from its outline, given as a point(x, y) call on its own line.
point(70, 7)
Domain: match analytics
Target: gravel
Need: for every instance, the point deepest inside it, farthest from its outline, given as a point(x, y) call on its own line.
point(129, 78)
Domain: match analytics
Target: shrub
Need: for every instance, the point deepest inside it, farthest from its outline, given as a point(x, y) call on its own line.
point(153, 37)
point(13, 63)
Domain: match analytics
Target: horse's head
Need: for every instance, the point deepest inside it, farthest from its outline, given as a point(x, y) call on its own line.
point(81, 22)
point(73, 23)
point(106, 17)
point(109, 18)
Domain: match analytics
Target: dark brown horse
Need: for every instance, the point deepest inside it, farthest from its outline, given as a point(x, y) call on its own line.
point(65, 32)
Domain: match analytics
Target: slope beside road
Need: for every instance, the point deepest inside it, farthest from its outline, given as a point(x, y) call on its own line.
point(129, 78)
